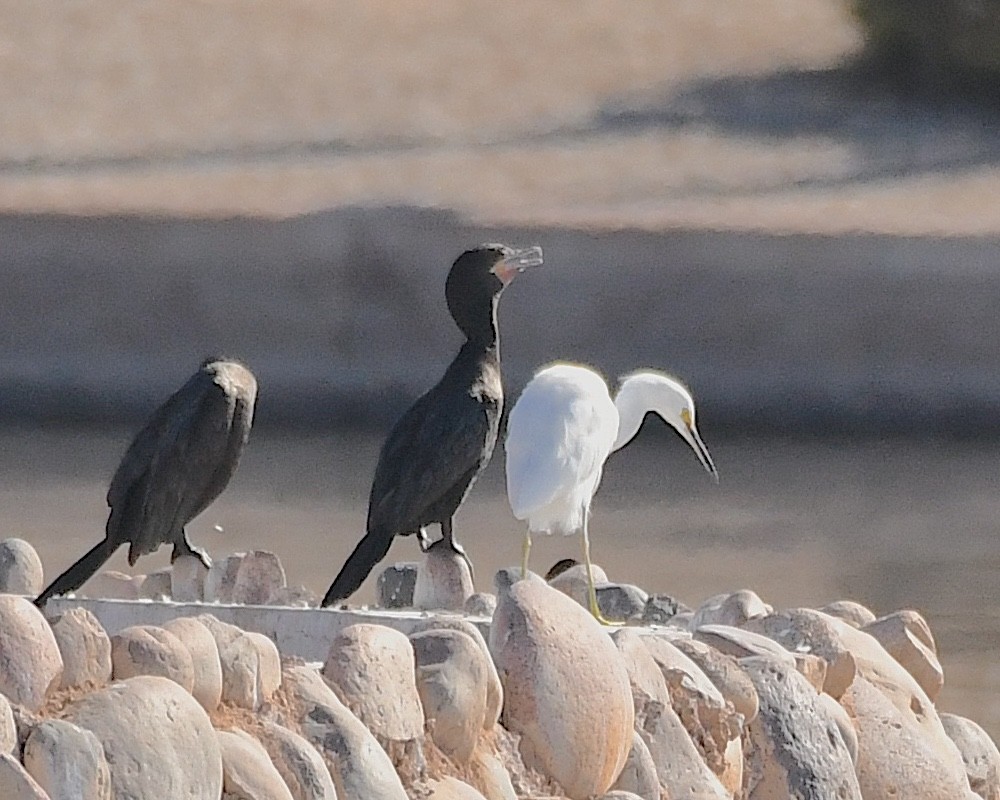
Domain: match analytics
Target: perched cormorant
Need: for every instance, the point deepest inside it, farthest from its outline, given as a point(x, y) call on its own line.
point(173, 469)
point(441, 444)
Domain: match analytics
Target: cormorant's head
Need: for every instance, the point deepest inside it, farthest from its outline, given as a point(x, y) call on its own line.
point(479, 275)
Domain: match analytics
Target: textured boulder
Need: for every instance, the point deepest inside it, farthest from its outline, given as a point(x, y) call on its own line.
point(268, 664)
point(740, 643)
point(156, 585)
point(187, 579)
point(451, 680)
point(67, 761)
point(16, 783)
point(444, 580)
point(112, 585)
point(205, 663)
point(481, 604)
point(8, 728)
point(30, 663)
point(620, 601)
point(240, 659)
point(20, 568)
point(838, 714)
point(372, 670)
point(395, 585)
point(298, 762)
point(659, 609)
point(906, 636)
point(979, 753)
point(360, 768)
point(724, 672)
point(490, 775)
point(85, 649)
point(452, 789)
point(260, 577)
point(638, 776)
point(247, 771)
point(794, 748)
point(158, 741)
point(221, 578)
point(854, 614)
point(566, 686)
point(733, 608)
point(573, 582)
point(150, 650)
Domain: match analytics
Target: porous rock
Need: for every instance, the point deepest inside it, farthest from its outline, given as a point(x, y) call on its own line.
point(67, 761)
point(16, 783)
point(851, 612)
point(158, 741)
point(221, 578)
point(450, 788)
point(451, 676)
point(444, 580)
point(85, 648)
point(395, 585)
point(574, 715)
point(20, 568)
point(298, 762)
point(205, 662)
point(112, 585)
point(731, 608)
point(151, 650)
point(156, 585)
point(794, 748)
point(239, 657)
point(724, 672)
point(30, 663)
point(979, 754)
point(836, 712)
point(187, 579)
point(357, 763)
point(638, 776)
point(8, 728)
point(247, 771)
point(259, 578)
point(372, 670)
point(906, 636)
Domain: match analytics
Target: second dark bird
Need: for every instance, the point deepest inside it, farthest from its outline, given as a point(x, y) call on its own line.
point(173, 469)
point(440, 445)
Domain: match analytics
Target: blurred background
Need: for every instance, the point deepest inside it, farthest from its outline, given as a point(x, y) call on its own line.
point(792, 205)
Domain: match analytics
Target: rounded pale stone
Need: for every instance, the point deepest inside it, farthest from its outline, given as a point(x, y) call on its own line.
point(741, 643)
point(221, 578)
point(8, 728)
point(854, 614)
point(573, 582)
point(842, 720)
point(794, 748)
point(733, 609)
point(812, 668)
point(444, 580)
point(259, 578)
point(620, 795)
point(247, 771)
point(156, 585)
point(979, 754)
point(638, 776)
point(723, 671)
point(158, 741)
point(490, 775)
point(200, 644)
point(20, 568)
point(372, 670)
point(151, 650)
point(451, 680)
point(574, 714)
point(67, 761)
point(30, 663)
point(16, 783)
point(268, 666)
point(360, 768)
point(112, 585)
point(395, 585)
point(449, 788)
point(187, 580)
point(298, 762)
point(85, 648)
point(481, 604)
point(621, 601)
point(239, 657)
point(494, 689)
point(907, 637)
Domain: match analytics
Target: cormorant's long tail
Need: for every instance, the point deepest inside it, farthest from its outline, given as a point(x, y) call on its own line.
point(370, 550)
point(79, 572)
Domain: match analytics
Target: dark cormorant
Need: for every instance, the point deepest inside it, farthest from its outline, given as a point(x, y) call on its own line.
point(441, 444)
point(173, 469)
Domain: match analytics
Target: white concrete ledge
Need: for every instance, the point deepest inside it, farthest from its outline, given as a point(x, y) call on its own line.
point(302, 632)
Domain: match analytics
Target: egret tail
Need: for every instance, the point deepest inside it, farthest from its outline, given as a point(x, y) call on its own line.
point(80, 572)
point(370, 550)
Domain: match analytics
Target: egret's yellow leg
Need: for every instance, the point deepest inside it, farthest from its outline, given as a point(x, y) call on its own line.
point(525, 549)
point(591, 589)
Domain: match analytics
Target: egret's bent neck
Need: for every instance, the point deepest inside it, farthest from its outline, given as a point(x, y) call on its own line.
point(631, 413)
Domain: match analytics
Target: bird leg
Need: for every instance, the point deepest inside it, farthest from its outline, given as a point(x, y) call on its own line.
point(182, 547)
point(591, 589)
point(448, 535)
point(525, 549)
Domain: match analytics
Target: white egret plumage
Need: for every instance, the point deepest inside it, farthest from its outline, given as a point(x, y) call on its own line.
point(561, 431)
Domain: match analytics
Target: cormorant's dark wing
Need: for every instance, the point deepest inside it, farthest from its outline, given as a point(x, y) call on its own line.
point(433, 448)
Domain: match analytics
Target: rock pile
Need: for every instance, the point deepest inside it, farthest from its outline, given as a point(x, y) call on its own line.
point(731, 700)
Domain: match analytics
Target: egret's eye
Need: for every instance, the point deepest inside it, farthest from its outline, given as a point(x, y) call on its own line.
point(686, 416)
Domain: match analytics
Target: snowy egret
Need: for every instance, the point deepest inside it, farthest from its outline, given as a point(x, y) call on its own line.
point(440, 445)
point(562, 429)
point(173, 469)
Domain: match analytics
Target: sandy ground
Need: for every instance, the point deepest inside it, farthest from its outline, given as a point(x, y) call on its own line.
point(892, 524)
